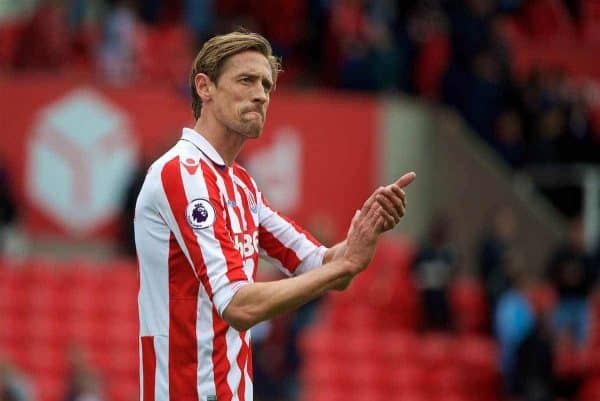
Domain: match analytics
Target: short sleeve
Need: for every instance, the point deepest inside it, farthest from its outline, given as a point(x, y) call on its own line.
point(285, 244)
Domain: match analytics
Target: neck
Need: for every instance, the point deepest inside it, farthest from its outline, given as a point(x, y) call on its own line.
point(226, 142)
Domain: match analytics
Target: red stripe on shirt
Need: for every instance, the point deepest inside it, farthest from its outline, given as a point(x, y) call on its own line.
point(241, 361)
point(230, 192)
point(175, 191)
point(235, 271)
point(247, 213)
point(183, 291)
point(220, 361)
point(250, 226)
point(275, 249)
point(249, 364)
point(183, 343)
point(148, 367)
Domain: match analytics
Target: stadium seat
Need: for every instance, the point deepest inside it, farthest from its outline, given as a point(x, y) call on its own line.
point(590, 20)
point(408, 378)
point(399, 348)
point(590, 390)
point(437, 350)
point(49, 388)
point(469, 306)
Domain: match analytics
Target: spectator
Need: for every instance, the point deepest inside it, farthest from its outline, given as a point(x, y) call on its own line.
point(494, 254)
point(534, 375)
point(8, 209)
point(82, 381)
point(579, 144)
point(573, 276)
point(514, 320)
point(508, 140)
point(120, 44)
point(199, 16)
point(128, 209)
point(471, 32)
point(13, 385)
point(44, 43)
point(434, 268)
point(545, 145)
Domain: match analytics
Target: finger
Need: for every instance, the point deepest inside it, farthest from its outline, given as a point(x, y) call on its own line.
point(388, 225)
point(373, 215)
point(403, 210)
point(355, 218)
point(406, 179)
point(395, 195)
point(389, 219)
point(380, 225)
point(389, 206)
point(399, 192)
point(371, 198)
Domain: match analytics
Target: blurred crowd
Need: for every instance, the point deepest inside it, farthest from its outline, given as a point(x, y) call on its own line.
point(545, 324)
point(455, 52)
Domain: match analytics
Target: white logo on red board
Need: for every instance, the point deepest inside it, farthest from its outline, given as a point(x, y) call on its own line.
point(80, 159)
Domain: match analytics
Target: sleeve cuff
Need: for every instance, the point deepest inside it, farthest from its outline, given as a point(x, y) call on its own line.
point(223, 297)
point(311, 261)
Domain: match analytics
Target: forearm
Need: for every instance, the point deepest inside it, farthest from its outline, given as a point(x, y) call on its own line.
point(256, 302)
point(334, 253)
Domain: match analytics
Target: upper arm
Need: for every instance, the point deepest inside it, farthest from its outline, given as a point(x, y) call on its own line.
point(192, 208)
point(283, 242)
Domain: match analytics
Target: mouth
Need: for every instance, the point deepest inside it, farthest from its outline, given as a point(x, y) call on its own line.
point(254, 114)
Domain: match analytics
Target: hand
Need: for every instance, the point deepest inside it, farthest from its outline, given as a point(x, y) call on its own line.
point(392, 200)
point(362, 236)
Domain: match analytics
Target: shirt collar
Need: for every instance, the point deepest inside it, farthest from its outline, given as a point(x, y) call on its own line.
point(203, 145)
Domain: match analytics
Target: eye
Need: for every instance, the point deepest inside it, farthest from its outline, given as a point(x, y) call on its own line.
point(246, 80)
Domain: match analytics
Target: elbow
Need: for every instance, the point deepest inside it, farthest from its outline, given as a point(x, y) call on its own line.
point(238, 318)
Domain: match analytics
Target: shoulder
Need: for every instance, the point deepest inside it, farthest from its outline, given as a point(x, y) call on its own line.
point(245, 177)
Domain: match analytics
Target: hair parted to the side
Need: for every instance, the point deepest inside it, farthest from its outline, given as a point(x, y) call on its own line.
point(217, 50)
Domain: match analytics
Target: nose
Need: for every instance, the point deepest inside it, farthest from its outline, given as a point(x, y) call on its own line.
point(260, 95)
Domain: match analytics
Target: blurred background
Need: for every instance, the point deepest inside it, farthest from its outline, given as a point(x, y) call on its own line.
point(487, 290)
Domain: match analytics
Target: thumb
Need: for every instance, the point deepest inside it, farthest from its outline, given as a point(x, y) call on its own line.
point(356, 215)
point(354, 220)
point(406, 179)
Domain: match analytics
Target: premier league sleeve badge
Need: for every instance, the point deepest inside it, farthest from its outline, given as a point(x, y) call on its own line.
point(200, 214)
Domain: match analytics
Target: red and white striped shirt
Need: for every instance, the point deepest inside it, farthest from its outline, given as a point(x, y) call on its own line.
point(199, 229)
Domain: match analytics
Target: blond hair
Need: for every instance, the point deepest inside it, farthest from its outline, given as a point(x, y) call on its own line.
point(217, 50)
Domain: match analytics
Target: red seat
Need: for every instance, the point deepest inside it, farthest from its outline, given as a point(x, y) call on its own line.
point(437, 350)
point(49, 388)
point(590, 390)
point(590, 20)
point(469, 306)
point(123, 390)
point(448, 380)
point(407, 379)
point(399, 348)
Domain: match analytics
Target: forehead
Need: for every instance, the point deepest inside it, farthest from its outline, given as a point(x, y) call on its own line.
point(248, 62)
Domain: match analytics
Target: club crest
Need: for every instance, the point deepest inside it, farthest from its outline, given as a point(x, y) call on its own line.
point(200, 214)
point(251, 201)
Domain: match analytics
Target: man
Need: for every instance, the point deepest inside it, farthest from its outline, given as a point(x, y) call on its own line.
point(201, 223)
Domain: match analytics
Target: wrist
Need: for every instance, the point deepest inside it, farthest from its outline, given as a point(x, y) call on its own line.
point(350, 267)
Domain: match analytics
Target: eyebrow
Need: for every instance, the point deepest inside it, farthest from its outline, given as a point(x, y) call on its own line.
point(267, 82)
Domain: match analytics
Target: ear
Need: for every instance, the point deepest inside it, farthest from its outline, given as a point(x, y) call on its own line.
point(204, 87)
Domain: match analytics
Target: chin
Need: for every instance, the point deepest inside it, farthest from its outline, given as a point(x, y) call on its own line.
point(252, 131)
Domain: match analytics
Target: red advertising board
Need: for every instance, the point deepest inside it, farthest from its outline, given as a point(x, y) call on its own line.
point(70, 146)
